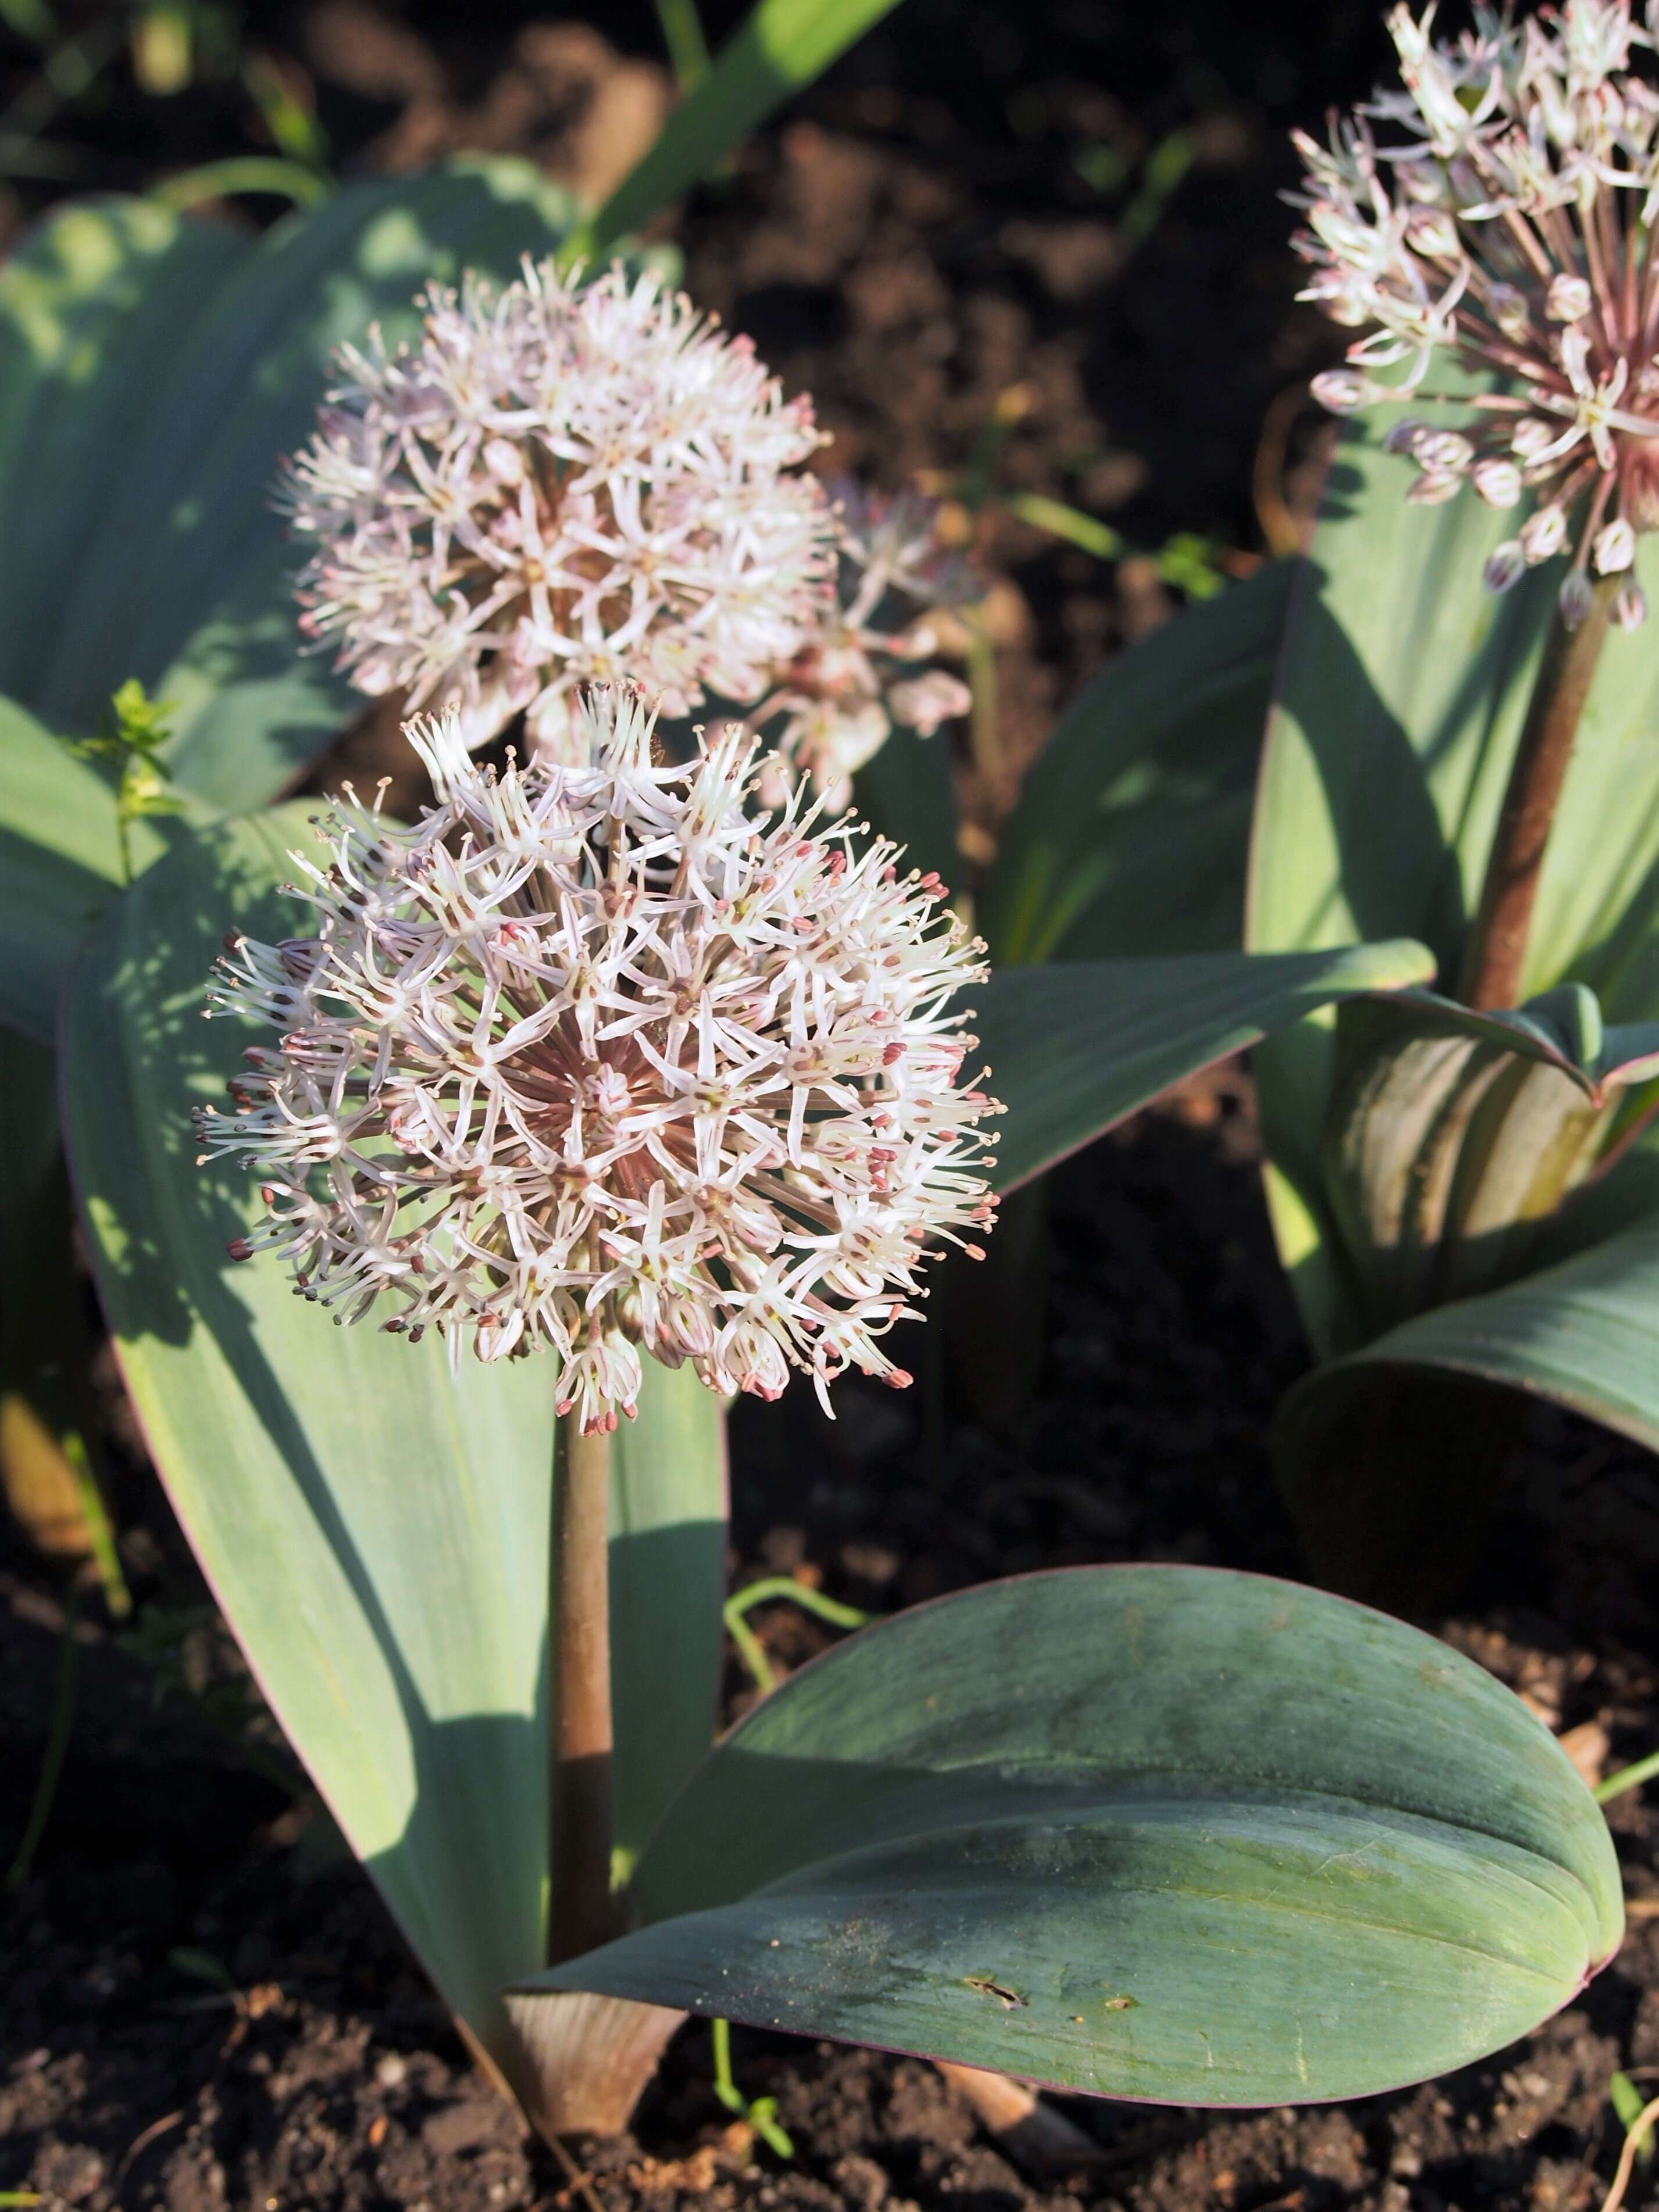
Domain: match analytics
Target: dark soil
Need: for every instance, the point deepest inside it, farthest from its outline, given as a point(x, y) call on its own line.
point(202, 2001)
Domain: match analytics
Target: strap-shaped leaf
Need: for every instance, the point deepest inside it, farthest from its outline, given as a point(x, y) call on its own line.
point(779, 49)
point(1076, 1047)
point(1144, 1831)
point(156, 370)
point(1131, 830)
point(374, 1529)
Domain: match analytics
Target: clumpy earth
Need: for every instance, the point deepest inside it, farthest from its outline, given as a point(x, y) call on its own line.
point(1028, 248)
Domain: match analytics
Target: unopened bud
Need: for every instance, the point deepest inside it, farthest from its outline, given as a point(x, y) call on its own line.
point(1576, 594)
point(1508, 310)
point(1629, 609)
point(1443, 452)
point(1344, 391)
point(1431, 231)
point(1498, 483)
point(1530, 437)
point(1544, 534)
point(1434, 490)
point(1505, 565)
point(1615, 548)
point(1568, 299)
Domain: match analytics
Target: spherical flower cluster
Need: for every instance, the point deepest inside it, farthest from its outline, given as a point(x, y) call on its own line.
point(590, 1057)
point(562, 483)
point(833, 705)
point(1508, 231)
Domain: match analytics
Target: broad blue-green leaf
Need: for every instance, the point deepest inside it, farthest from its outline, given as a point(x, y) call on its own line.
point(1366, 1444)
point(1076, 1047)
point(1131, 830)
point(60, 863)
point(374, 1528)
point(1400, 695)
point(779, 49)
point(1144, 1831)
point(1584, 1334)
point(163, 368)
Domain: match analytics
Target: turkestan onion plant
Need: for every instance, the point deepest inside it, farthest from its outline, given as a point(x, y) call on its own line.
point(649, 1089)
point(589, 1060)
point(1461, 708)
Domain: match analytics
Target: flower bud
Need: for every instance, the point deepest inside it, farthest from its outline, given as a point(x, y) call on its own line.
point(1443, 452)
point(1543, 534)
point(1531, 435)
point(1344, 391)
point(1505, 565)
point(1568, 299)
point(1434, 490)
point(1616, 547)
point(1576, 595)
point(1508, 310)
point(1498, 483)
point(1431, 231)
point(923, 701)
point(1629, 609)
point(1403, 435)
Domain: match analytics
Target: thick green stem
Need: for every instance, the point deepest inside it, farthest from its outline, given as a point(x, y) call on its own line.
point(1496, 960)
point(579, 1909)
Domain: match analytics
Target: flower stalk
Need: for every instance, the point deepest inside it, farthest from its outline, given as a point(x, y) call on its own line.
point(1495, 961)
point(580, 1915)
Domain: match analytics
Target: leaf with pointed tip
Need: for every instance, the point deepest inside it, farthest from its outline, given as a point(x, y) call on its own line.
point(156, 368)
point(1074, 1046)
point(374, 1529)
point(1131, 830)
point(1144, 1831)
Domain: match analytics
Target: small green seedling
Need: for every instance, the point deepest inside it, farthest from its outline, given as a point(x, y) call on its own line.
point(762, 2114)
point(133, 732)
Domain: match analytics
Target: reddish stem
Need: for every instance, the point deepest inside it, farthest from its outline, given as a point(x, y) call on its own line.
point(580, 1914)
point(1496, 959)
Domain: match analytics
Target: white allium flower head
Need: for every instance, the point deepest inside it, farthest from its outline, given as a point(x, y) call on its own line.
point(592, 1057)
point(562, 483)
point(1506, 228)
